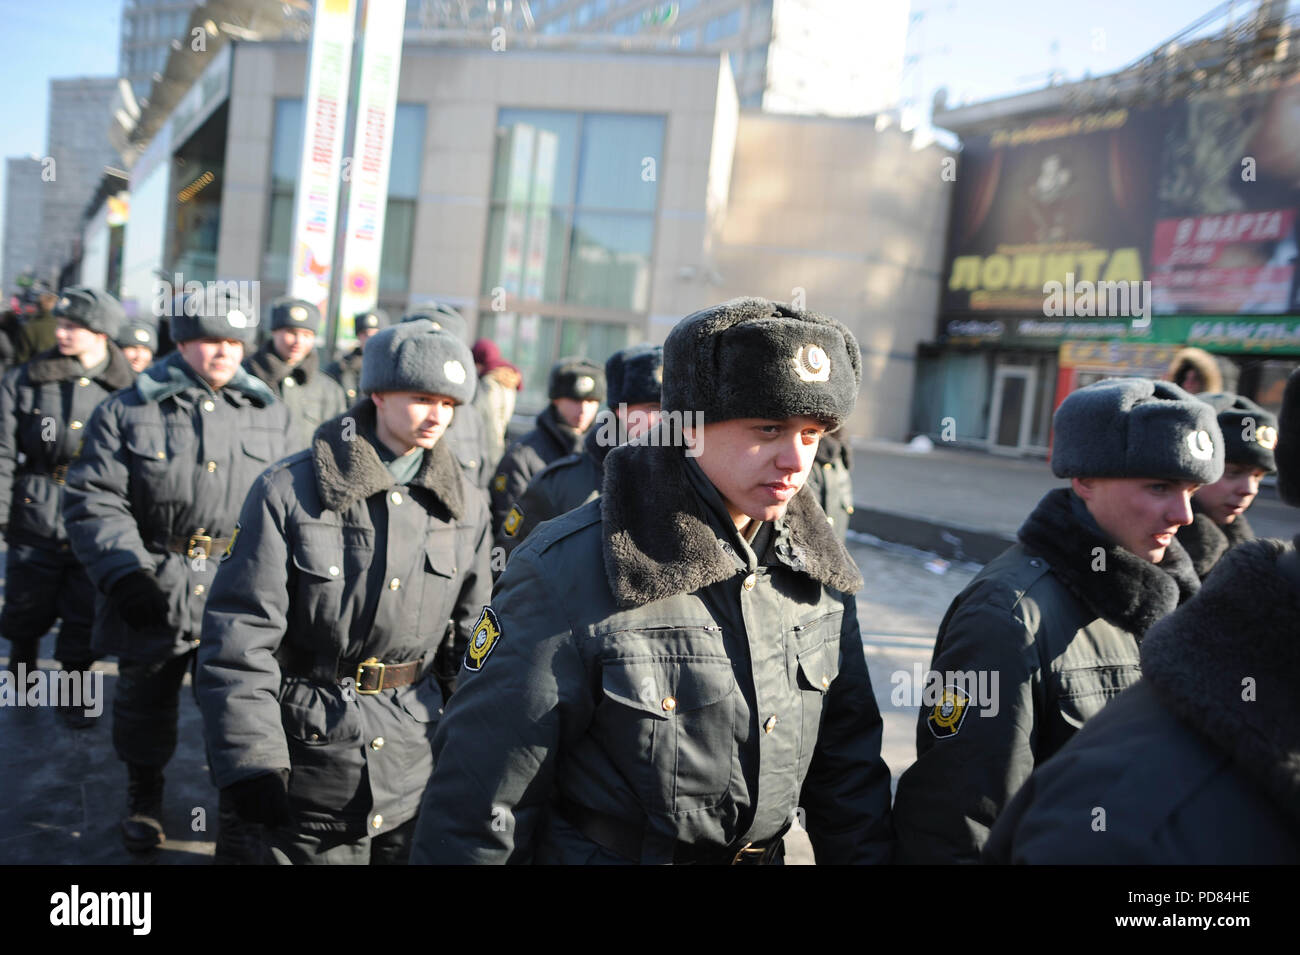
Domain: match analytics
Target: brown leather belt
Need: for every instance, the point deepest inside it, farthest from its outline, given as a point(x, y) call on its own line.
point(371, 676)
point(198, 544)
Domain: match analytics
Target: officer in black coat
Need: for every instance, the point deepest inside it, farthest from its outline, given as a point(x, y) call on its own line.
point(289, 363)
point(151, 502)
point(44, 407)
point(576, 388)
point(1197, 763)
point(347, 370)
point(635, 379)
point(318, 667)
point(831, 482)
point(138, 339)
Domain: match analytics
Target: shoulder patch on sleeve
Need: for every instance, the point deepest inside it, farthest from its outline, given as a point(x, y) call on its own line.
point(231, 546)
point(513, 519)
point(949, 713)
point(483, 640)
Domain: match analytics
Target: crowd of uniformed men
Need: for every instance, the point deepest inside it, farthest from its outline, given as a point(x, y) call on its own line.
point(668, 666)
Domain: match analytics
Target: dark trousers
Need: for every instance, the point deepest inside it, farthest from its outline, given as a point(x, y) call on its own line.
point(146, 709)
point(44, 585)
point(297, 847)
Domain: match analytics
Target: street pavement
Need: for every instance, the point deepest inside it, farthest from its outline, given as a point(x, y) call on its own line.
point(63, 792)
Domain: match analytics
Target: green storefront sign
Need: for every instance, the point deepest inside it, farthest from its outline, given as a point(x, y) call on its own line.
point(1226, 334)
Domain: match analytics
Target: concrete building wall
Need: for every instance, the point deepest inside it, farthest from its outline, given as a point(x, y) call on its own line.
point(853, 219)
point(22, 225)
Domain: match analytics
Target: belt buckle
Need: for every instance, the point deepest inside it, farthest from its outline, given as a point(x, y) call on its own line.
point(749, 854)
point(193, 550)
point(372, 662)
point(60, 474)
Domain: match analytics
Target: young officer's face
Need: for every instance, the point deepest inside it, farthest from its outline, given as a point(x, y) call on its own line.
point(73, 339)
point(407, 420)
point(214, 359)
point(1142, 515)
point(638, 418)
point(293, 344)
point(1227, 498)
point(138, 357)
point(758, 464)
point(578, 415)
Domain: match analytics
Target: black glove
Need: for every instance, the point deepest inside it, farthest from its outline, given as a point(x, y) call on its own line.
point(140, 601)
point(262, 798)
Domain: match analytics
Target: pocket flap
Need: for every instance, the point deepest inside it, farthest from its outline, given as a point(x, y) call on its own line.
point(148, 443)
point(319, 552)
point(440, 554)
point(819, 666)
point(667, 688)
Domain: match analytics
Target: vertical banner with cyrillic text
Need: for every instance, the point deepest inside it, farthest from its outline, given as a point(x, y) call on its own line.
point(381, 62)
point(325, 116)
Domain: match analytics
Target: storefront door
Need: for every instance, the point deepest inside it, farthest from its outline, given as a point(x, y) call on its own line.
point(1013, 408)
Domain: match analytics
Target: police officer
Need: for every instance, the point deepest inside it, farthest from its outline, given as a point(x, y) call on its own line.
point(1196, 763)
point(289, 363)
point(635, 379)
point(832, 484)
point(1219, 509)
point(320, 636)
point(1048, 632)
point(347, 370)
point(44, 406)
point(467, 437)
point(576, 388)
point(669, 673)
point(138, 340)
point(151, 502)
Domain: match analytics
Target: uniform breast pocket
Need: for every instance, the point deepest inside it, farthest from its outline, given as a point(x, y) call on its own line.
point(816, 647)
point(158, 463)
point(318, 557)
point(669, 725)
point(1083, 691)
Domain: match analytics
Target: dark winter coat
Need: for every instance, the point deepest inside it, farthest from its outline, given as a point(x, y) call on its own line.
point(311, 396)
point(467, 439)
point(1057, 619)
point(347, 372)
point(164, 460)
point(44, 407)
point(1199, 763)
point(1206, 542)
point(832, 484)
point(335, 564)
point(658, 672)
point(560, 487)
point(551, 440)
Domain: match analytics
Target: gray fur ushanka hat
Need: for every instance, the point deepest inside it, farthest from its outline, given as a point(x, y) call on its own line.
point(91, 308)
point(1136, 428)
point(576, 378)
point(415, 356)
point(754, 358)
point(1249, 431)
point(635, 375)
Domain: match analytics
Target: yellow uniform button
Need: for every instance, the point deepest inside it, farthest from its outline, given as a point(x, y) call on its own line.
point(161, 455)
point(826, 467)
point(394, 584)
point(334, 571)
point(395, 498)
point(75, 425)
point(750, 581)
point(848, 509)
point(290, 383)
point(830, 521)
point(212, 466)
point(770, 724)
point(83, 382)
point(352, 392)
point(377, 822)
point(198, 590)
point(208, 406)
point(669, 704)
point(377, 743)
point(826, 682)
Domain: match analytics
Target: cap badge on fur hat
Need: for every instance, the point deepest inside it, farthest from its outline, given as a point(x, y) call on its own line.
point(1201, 445)
point(141, 335)
point(64, 302)
point(811, 363)
point(236, 319)
point(454, 370)
point(584, 385)
point(298, 313)
point(1266, 437)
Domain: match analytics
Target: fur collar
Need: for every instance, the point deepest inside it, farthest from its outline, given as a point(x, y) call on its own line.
point(1206, 542)
point(1244, 624)
point(49, 366)
point(348, 468)
point(172, 375)
point(1131, 593)
point(267, 364)
point(658, 541)
point(566, 440)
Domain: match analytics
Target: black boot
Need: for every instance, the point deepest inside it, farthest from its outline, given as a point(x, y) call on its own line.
point(239, 842)
point(142, 830)
point(74, 716)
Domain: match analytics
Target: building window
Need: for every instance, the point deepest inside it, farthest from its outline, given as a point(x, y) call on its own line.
point(720, 28)
point(403, 193)
point(571, 230)
point(534, 342)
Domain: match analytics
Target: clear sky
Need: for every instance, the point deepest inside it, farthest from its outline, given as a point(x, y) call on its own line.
point(976, 48)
